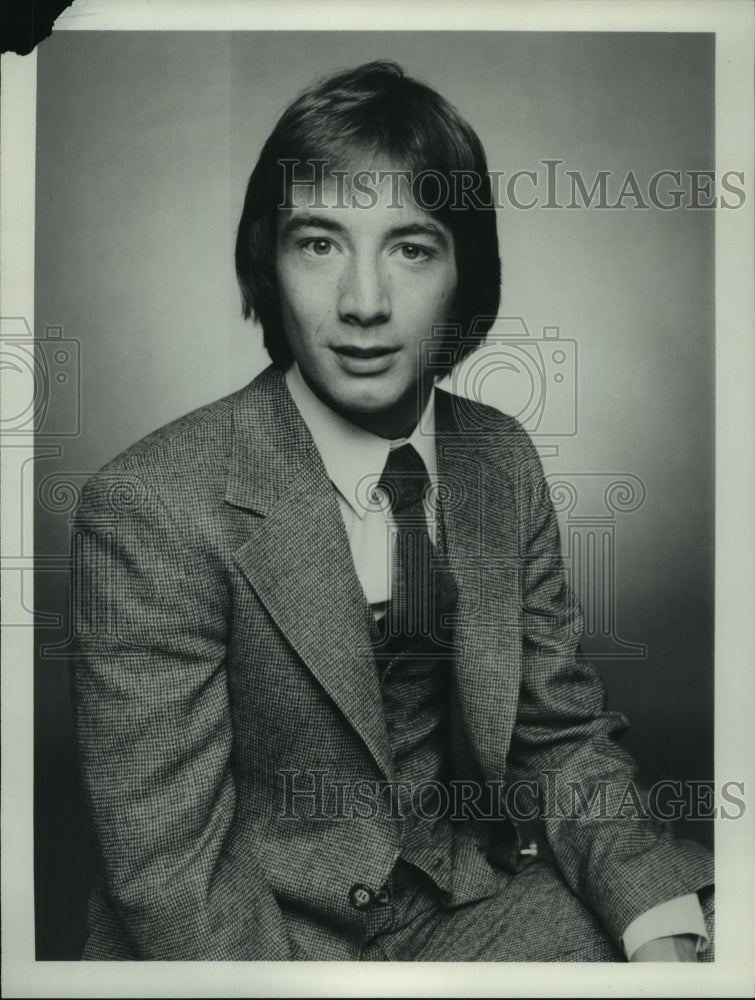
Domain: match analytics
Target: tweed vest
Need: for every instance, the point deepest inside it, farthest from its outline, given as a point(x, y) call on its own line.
point(415, 677)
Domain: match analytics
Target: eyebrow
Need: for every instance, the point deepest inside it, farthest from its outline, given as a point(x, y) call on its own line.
point(297, 222)
point(420, 229)
point(307, 221)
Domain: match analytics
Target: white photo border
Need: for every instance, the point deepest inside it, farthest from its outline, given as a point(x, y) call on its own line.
point(732, 973)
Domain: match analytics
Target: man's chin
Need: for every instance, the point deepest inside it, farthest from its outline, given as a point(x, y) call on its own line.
point(376, 404)
point(391, 418)
point(372, 409)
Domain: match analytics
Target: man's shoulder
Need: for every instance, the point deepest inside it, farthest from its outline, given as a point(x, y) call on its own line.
point(179, 441)
point(479, 425)
point(185, 463)
point(197, 441)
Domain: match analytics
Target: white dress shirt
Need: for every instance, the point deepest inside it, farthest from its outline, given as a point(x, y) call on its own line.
point(354, 460)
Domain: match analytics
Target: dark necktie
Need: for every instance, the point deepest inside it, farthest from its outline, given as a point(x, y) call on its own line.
point(420, 581)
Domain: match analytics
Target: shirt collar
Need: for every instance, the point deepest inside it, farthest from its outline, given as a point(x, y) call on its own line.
point(354, 457)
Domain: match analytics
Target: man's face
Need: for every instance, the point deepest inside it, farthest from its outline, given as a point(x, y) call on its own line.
point(360, 289)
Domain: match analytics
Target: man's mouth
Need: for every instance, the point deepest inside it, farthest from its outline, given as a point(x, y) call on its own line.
point(365, 361)
point(350, 351)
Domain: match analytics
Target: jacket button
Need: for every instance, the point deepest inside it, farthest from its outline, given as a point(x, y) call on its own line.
point(361, 896)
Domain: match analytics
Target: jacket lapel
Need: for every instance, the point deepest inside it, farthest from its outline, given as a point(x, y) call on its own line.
point(297, 555)
point(481, 527)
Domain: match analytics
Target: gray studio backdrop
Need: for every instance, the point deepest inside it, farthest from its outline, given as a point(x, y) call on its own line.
point(144, 145)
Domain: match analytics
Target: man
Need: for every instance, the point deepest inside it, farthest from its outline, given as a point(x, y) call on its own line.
point(327, 658)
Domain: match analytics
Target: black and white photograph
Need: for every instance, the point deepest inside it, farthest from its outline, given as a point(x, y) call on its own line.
point(377, 500)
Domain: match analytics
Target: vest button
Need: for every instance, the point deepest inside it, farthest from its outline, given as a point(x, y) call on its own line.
point(383, 897)
point(361, 896)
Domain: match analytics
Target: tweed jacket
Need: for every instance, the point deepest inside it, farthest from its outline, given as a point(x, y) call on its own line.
point(223, 647)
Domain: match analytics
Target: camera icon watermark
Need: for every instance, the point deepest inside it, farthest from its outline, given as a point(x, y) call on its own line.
point(46, 381)
point(530, 378)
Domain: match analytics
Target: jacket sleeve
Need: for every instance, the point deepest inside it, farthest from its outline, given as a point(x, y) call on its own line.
point(614, 855)
point(154, 733)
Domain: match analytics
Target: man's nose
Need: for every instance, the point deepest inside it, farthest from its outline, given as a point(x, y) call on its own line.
point(363, 296)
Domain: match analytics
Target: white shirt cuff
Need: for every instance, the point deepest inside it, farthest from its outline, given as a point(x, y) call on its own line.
point(678, 916)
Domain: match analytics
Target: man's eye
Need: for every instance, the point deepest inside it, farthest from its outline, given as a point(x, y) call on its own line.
point(410, 251)
point(320, 247)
